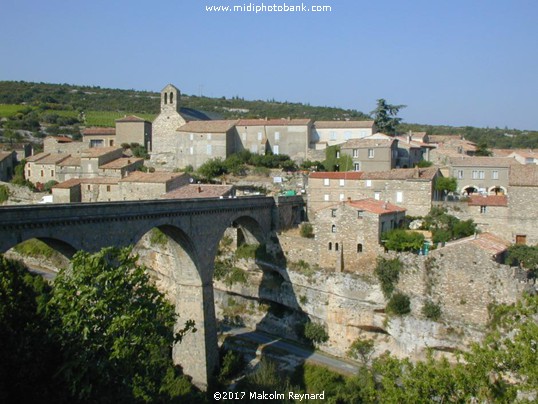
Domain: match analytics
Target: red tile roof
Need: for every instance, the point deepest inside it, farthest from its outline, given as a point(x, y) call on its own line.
point(121, 163)
point(375, 206)
point(349, 175)
point(99, 131)
point(488, 200)
point(343, 124)
point(131, 118)
point(156, 177)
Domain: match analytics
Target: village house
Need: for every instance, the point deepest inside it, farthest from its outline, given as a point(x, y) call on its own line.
point(413, 148)
point(7, 161)
point(373, 153)
point(199, 141)
point(447, 147)
point(99, 137)
point(481, 174)
point(412, 188)
point(525, 156)
point(277, 136)
point(133, 129)
point(41, 168)
point(349, 233)
point(22, 150)
point(330, 133)
point(141, 186)
point(63, 144)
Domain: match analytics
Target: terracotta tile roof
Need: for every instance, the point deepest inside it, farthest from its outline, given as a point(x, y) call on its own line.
point(484, 241)
point(524, 175)
point(70, 161)
point(344, 124)
point(99, 131)
point(5, 155)
point(199, 191)
point(273, 122)
point(53, 158)
point(479, 161)
point(61, 139)
point(367, 143)
point(156, 177)
point(121, 163)
point(427, 173)
point(375, 206)
point(208, 126)
point(36, 157)
point(131, 118)
point(502, 152)
point(488, 200)
point(350, 175)
point(403, 142)
point(98, 151)
point(73, 182)
point(532, 154)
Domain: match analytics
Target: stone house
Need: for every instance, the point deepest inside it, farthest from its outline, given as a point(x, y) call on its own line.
point(199, 141)
point(7, 161)
point(412, 148)
point(412, 188)
point(349, 233)
point(22, 150)
point(41, 168)
point(525, 156)
point(99, 137)
point(277, 136)
point(86, 190)
point(132, 129)
point(330, 133)
point(142, 186)
point(374, 153)
point(63, 144)
point(481, 174)
point(120, 167)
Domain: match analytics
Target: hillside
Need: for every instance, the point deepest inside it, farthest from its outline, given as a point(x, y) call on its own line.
point(30, 105)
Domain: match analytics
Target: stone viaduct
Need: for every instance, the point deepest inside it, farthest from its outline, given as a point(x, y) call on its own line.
point(194, 226)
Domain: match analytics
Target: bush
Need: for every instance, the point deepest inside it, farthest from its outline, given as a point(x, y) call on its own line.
point(399, 304)
point(315, 333)
point(47, 187)
point(231, 364)
point(4, 193)
point(388, 272)
point(307, 230)
point(361, 349)
point(431, 310)
point(403, 240)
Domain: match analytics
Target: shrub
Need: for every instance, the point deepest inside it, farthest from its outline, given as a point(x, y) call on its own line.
point(431, 310)
point(157, 237)
point(246, 251)
point(307, 230)
point(47, 187)
point(315, 333)
point(388, 272)
point(361, 349)
point(399, 304)
point(403, 240)
point(231, 364)
point(4, 193)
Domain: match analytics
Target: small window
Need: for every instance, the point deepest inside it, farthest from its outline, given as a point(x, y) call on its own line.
point(333, 135)
point(330, 246)
point(368, 183)
point(475, 174)
point(357, 167)
point(42, 173)
point(399, 196)
point(342, 183)
point(495, 175)
point(355, 152)
point(377, 196)
point(333, 228)
point(171, 98)
point(370, 153)
point(342, 197)
point(276, 150)
point(88, 187)
point(166, 98)
point(259, 136)
point(326, 197)
point(333, 212)
point(108, 188)
point(360, 214)
point(191, 136)
point(359, 248)
point(209, 136)
point(326, 181)
point(277, 135)
point(338, 154)
point(483, 209)
point(191, 150)
point(481, 175)
point(52, 173)
point(347, 135)
point(335, 246)
point(29, 173)
point(460, 174)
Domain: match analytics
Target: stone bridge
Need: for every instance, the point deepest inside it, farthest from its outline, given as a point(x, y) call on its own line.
point(195, 228)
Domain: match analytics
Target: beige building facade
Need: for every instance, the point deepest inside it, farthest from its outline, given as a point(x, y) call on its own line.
point(481, 174)
point(132, 129)
point(378, 153)
point(330, 133)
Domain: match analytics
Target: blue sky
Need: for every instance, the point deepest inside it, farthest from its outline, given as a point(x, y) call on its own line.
point(459, 62)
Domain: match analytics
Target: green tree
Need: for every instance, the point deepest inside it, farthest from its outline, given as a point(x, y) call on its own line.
point(388, 273)
point(385, 117)
point(482, 150)
point(446, 185)
point(212, 168)
point(525, 256)
point(361, 349)
point(115, 330)
point(399, 304)
point(316, 333)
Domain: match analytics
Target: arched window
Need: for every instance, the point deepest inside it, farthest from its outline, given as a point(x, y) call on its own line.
point(171, 98)
point(359, 248)
point(330, 246)
point(166, 98)
point(336, 247)
point(333, 228)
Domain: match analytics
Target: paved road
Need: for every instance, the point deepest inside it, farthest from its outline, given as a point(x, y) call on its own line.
point(294, 349)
